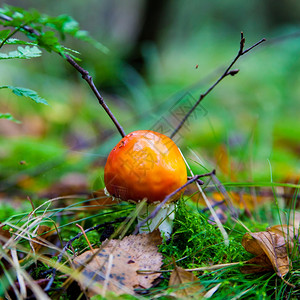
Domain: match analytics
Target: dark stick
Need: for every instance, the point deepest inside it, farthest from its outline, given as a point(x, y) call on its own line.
point(225, 74)
point(213, 172)
point(69, 243)
point(88, 78)
point(158, 207)
point(85, 76)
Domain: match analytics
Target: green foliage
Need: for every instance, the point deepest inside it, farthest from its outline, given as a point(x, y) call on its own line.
point(22, 53)
point(19, 91)
point(65, 24)
point(35, 26)
point(43, 29)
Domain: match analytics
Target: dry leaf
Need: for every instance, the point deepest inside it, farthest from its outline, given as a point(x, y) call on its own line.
point(257, 264)
point(250, 244)
point(115, 266)
point(4, 234)
point(271, 251)
point(43, 232)
point(143, 248)
point(110, 267)
point(289, 232)
point(186, 283)
point(290, 235)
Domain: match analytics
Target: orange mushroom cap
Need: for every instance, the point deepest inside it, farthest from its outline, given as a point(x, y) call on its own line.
point(144, 164)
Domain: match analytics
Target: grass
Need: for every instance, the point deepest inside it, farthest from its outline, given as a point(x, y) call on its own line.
point(195, 243)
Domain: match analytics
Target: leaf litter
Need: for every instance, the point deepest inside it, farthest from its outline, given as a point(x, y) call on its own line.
point(114, 266)
point(185, 283)
point(271, 248)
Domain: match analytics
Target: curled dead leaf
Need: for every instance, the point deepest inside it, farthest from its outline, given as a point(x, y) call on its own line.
point(4, 234)
point(271, 251)
point(288, 232)
point(44, 233)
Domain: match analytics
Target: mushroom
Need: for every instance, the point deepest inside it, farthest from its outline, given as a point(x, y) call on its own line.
point(147, 165)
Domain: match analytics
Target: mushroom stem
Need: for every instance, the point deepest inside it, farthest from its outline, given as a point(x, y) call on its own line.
point(163, 220)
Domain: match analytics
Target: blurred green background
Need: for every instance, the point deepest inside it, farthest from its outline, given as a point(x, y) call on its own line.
point(247, 124)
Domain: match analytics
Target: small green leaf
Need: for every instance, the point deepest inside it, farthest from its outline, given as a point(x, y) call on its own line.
point(19, 91)
point(49, 41)
point(13, 41)
point(9, 117)
point(19, 16)
point(22, 53)
point(63, 25)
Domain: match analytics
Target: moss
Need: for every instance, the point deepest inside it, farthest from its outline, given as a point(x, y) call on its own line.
point(199, 242)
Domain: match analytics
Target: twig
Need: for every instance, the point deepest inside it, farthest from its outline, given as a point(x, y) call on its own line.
point(167, 198)
point(85, 75)
point(69, 243)
point(88, 78)
point(32, 205)
point(209, 268)
point(85, 236)
point(227, 72)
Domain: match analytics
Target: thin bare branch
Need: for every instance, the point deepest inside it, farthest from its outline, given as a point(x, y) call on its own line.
point(227, 72)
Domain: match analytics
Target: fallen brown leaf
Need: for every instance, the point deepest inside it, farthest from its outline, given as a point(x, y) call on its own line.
point(4, 234)
point(43, 232)
point(289, 232)
point(271, 251)
point(186, 283)
point(115, 266)
point(291, 236)
point(257, 264)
